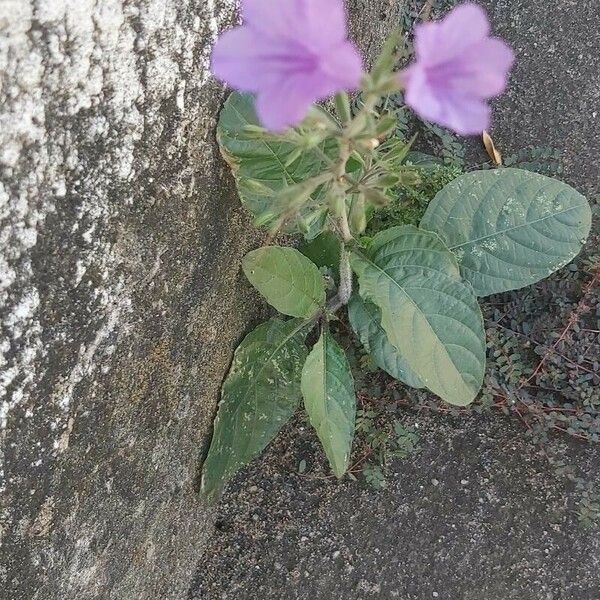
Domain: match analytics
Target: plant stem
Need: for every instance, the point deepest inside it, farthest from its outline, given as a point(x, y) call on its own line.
point(345, 227)
point(340, 167)
point(339, 172)
point(345, 288)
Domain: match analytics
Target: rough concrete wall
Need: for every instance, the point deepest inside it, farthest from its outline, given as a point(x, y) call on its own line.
point(120, 242)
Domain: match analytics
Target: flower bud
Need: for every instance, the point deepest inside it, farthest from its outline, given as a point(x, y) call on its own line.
point(410, 178)
point(358, 217)
point(368, 144)
point(385, 125)
point(258, 187)
point(342, 106)
point(384, 65)
point(375, 197)
point(320, 119)
point(387, 181)
point(254, 129)
point(336, 201)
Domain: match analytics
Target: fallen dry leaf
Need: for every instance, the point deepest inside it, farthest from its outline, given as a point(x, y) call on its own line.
point(492, 151)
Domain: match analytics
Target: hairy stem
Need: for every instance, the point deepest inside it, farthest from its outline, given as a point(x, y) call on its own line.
point(345, 227)
point(345, 288)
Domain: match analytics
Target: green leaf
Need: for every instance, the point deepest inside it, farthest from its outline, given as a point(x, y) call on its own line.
point(325, 250)
point(508, 227)
point(407, 243)
point(329, 399)
point(429, 315)
point(260, 394)
point(288, 280)
point(365, 319)
point(259, 162)
point(313, 222)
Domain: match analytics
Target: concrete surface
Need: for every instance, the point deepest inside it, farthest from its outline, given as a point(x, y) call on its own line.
point(477, 513)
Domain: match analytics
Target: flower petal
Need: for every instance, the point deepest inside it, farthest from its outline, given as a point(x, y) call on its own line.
point(491, 62)
point(481, 71)
point(239, 58)
point(426, 42)
point(458, 66)
point(326, 22)
point(318, 23)
point(465, 25)
point(341, 69)
point(289, 53)
point(272, 20)
point(465, 115)
point(420, 95)
point(283, 105)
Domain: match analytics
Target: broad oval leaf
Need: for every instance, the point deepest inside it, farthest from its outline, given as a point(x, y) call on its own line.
point(330, 401)
point(260, 394)
point(365, 319)
point(429, 314)
point(264, 167)
point(508, 227)
point(288, 280)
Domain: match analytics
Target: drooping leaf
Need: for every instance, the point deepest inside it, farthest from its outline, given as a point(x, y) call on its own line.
point(429, 315)
point(329, 399)
point(260, 394)
point(508, 227)
point(365, 319)
point(288, 280)
point(263, 167)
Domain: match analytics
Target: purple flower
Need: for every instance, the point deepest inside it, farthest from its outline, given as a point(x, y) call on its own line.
point(458, 67)
point(290, 53)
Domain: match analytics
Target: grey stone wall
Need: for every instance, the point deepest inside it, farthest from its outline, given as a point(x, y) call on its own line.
point(120, 240)
point(120, 294)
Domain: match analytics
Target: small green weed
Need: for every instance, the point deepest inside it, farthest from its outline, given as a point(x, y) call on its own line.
point(381, 441)
point(409, 203)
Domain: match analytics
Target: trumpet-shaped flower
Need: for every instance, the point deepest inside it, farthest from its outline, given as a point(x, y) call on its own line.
point(458, 67)
point(290, 53)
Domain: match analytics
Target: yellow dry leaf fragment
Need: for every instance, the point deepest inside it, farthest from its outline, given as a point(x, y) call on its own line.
point(491, 149)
